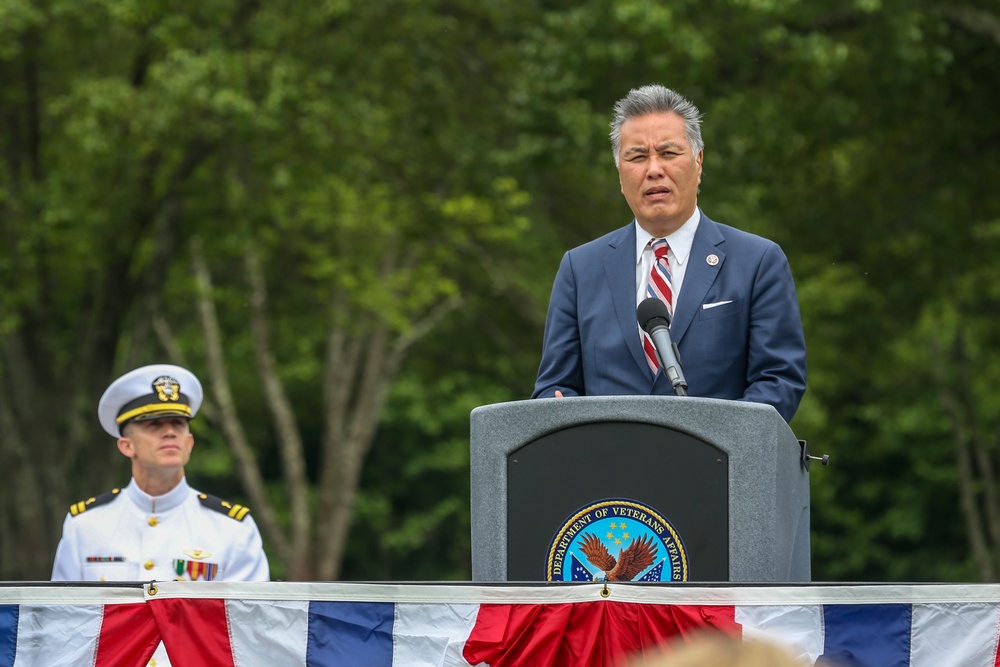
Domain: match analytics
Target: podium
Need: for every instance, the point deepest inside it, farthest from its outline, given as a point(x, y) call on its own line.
point(663, 488)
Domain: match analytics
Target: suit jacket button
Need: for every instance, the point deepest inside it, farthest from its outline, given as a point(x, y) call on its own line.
point(148, 565)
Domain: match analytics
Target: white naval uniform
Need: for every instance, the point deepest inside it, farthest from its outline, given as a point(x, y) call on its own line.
point(138, 537)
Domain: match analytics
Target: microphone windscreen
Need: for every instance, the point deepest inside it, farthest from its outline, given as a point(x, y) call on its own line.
point(649, 311)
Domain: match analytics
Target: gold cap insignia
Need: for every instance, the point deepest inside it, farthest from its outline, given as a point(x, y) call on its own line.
point(167, 388)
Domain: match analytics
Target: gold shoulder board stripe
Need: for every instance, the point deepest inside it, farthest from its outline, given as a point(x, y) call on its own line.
point(76, 509)
point(232, 510)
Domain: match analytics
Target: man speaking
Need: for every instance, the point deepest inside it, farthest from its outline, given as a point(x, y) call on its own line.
point(729, 295)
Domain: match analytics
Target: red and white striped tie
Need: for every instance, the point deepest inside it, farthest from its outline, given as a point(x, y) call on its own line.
point(659, 287)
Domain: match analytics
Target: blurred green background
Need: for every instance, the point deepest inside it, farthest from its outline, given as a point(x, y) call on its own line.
point(346, 216)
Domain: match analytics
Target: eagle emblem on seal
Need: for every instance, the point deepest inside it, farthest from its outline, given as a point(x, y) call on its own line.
point(632, 560)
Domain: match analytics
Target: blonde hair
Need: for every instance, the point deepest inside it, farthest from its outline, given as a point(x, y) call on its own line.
point(719, 650)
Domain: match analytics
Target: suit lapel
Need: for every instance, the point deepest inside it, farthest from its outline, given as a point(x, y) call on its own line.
point(699, 276)
point(619, 269)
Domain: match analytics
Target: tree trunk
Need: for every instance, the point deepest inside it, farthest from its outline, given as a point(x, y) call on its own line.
point(246, 461)
point(976, 476)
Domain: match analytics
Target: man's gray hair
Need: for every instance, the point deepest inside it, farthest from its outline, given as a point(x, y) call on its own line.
point(655, 98)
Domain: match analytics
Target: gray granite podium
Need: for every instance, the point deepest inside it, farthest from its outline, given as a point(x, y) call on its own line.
point(727, 479)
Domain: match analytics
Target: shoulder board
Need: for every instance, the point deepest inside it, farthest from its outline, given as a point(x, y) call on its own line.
point(232, 510)
point(76, 509)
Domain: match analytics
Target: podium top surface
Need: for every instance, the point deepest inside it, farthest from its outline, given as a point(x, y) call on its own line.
point(708, 418)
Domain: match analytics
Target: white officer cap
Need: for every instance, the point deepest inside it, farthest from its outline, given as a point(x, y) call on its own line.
point(150, 392)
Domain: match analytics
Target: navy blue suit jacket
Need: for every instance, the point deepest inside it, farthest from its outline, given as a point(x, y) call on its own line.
point(751, 347)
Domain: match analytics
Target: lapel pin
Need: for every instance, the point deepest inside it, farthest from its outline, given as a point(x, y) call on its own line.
point(712, 260)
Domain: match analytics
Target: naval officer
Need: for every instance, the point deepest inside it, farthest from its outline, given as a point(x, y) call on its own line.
point(157, 527)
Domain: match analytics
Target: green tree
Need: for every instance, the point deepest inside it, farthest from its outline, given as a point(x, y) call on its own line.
point(346, 217)
point(281, 213)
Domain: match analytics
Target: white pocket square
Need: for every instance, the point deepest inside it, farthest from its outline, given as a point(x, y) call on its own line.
point(706, 306)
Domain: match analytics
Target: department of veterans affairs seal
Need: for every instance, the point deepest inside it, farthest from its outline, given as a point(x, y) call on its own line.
point(648, 547)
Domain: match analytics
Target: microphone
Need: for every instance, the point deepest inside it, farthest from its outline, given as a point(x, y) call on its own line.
point(654, 319)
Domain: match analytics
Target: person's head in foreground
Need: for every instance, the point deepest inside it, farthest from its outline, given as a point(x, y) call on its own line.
point(719, 650)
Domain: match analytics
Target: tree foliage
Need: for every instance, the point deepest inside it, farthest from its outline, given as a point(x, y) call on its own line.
point(346, 217)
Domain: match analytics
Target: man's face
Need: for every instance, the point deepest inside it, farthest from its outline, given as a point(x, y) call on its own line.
point(164, 443)
point(658, 171)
